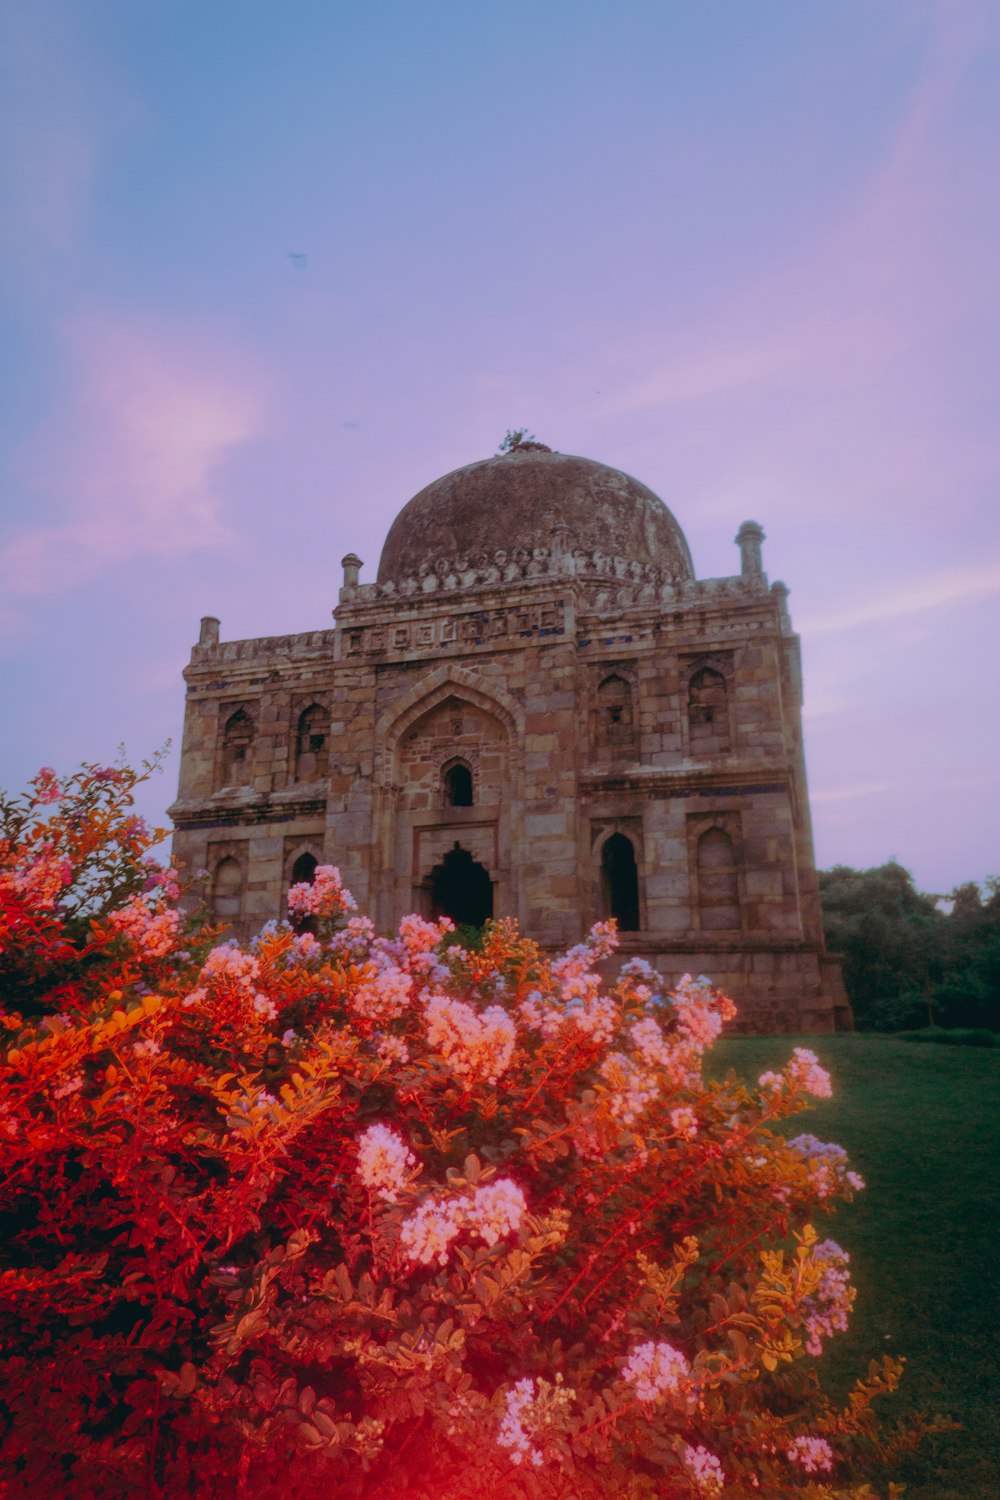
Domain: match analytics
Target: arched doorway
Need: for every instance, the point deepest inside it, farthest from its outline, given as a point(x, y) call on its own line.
point(461, 889)
point(620, 882)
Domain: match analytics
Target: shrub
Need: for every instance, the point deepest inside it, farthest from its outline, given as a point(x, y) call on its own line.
point(339, 1214)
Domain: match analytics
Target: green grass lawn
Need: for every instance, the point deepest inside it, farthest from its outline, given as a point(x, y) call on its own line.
point(920, 1124)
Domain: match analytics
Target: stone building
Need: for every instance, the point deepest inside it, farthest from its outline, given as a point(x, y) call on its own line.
point(536, 710)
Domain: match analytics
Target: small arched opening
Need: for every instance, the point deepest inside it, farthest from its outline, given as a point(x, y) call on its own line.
point(311, 740)
point(708, 715)
point(718, 882)
point(457, 781)
point(227, 891)
point(237, 740)
point(615, 734)
point(460, 888)
point(620, 882)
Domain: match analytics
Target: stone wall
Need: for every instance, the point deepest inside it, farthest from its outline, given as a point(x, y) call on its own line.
point(596, 713)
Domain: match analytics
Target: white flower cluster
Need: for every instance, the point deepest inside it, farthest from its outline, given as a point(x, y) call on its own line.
point(491, 1212)
point(827, 1163)
point(656, 1369)
point(704, 1468)
point(685, 1122)
point(427, 1234)
point(384, 1162)
point(495, 1210)
point(810, 1453)
point(512, 1434)
point(477, 1048)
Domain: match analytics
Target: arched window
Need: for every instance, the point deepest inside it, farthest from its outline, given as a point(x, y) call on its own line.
point(620, 882)
point(311, 743)
point(718, 882)
point(461, 888)
point(458, 785)
point(708, 713)
point(615, 729)
point(227, 891)
point(237, 742)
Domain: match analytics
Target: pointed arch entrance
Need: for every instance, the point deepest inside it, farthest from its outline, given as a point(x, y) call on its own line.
point(460, 888)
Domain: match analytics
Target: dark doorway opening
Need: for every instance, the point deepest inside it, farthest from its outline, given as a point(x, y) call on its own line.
point(461, 889)
point(620, 882)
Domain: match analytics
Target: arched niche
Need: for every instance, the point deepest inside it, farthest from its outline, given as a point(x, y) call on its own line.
point(718, 882)
point(312, 739)
point(613, 719)
point(237, 745)
point(708, 713)
point(227, 891)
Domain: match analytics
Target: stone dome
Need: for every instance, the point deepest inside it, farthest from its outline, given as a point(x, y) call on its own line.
point(519, 499)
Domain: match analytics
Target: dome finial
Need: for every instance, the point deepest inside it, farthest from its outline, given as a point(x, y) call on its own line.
point(520, 440)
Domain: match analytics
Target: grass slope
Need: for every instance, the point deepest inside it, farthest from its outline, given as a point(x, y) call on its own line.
point(920, 1124)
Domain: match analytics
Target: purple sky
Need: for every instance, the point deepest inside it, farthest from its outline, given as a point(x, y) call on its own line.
point(748, 253)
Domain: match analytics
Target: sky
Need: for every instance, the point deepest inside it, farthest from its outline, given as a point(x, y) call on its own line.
point(267, 270)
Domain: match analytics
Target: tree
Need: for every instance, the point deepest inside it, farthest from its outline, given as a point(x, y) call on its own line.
point(889, 936)
point(908, 959)
point(384, 1217)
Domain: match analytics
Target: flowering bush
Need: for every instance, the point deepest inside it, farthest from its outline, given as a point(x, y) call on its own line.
point(343, 1214)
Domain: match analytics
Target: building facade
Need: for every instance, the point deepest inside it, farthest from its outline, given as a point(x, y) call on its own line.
point(536, 710)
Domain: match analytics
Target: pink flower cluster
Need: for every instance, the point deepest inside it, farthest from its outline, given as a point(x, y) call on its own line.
point(477, 1048)
point(41, 884)
point(384, 1162)
point(153, 933)
point(47, 787)
point(162, 878)
point(229, 965)
point(383, 996)
point(632, 1089)
point(704, 1468)
point(656, 1369)
point(700, 1011)
point(802, 1072)
point(650, 1043)
point(826, 1312)
point(685, 1122)
point(813, 1454)
point(325, 896)
point(490, 1212)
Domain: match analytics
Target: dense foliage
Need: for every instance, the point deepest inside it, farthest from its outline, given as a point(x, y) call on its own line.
point(911, 959)
point(339, 1214)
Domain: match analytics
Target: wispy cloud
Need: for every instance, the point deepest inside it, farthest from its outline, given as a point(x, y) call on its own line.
point(58, 107)
point(133, 467)
point(912, 597)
